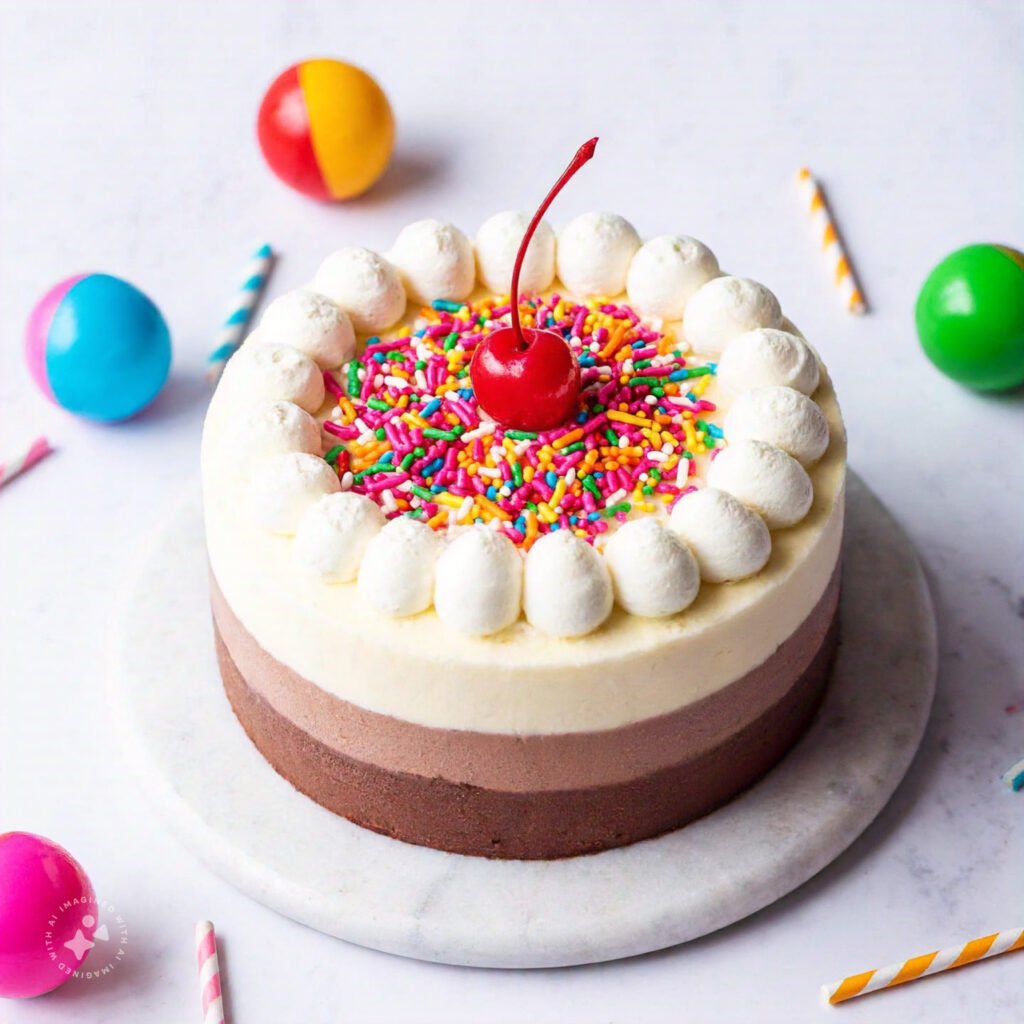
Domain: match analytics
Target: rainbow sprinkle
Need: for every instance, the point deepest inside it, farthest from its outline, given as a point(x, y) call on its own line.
point(410, 433)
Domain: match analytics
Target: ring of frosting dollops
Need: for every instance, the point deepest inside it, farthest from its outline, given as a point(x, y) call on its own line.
point(409, 491)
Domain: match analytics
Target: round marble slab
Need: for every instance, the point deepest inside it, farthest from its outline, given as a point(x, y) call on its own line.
point(290, 854)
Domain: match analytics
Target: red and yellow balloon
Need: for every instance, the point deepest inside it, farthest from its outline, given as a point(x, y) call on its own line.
point(326, 129)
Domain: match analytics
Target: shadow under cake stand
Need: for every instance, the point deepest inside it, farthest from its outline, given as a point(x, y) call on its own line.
point(292, 855)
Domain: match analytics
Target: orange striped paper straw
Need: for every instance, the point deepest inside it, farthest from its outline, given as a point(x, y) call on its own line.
point(923, 966)
point(831, 243)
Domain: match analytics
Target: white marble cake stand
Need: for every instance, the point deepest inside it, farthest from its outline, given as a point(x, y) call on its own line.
point(285, 851)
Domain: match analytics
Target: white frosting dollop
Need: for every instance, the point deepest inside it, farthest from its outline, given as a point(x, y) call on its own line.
point(726, 307)
point(283, 488)
point(765, 357)
point(594, 253)
point(435, 261)
point(479, 582)
point(665, 272)
point(653, 572)
point(782, 417)
point(497, 243)
point(270, 430)
point(310, 323)
point(765, 479)
point(567, 590)
point(259, 374)
point(397, 572)
point(728, 540)
point(333, 533)
point(365, 285)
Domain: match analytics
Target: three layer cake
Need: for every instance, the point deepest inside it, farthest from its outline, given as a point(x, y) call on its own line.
point(524, 643)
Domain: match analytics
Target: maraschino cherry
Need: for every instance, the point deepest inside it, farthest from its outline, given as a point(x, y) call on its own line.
point(525, 378)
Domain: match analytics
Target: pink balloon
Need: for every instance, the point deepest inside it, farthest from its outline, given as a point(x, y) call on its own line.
point(39, 327)
point(43, 932)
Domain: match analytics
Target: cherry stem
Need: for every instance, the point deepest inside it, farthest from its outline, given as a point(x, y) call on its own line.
point(583, 154)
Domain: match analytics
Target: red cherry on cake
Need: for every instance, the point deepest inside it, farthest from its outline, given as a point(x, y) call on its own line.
point(527, 383)
point(526, 378)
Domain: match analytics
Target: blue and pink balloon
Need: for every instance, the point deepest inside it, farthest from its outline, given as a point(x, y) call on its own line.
point(98, 347)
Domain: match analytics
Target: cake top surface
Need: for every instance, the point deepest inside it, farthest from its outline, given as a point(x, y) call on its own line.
point(407, 413)
point(352, 415)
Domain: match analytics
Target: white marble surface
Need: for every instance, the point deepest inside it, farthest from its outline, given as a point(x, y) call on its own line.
point(278, 846)
point(127, 146)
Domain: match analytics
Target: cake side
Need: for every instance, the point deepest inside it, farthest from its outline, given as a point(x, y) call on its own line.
point(516, 761)
point(527, 797)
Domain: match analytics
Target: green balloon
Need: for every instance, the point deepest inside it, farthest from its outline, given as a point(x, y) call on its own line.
point(970, 317)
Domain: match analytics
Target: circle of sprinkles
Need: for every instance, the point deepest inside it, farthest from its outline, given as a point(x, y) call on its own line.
point(412, 437)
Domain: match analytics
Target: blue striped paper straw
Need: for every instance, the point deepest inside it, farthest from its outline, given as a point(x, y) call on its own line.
point(1014, 776)
point(232, 334)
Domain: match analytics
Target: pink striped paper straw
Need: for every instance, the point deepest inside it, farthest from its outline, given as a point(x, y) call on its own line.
point(209, 973)
point(36, 452)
